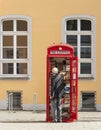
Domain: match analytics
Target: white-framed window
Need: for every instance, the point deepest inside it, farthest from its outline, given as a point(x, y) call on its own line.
point(15, 46)
point(80, 32)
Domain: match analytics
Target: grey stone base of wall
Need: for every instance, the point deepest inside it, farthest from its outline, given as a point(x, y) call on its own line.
point(97, 108)
point(34, 107)
point(3, 106)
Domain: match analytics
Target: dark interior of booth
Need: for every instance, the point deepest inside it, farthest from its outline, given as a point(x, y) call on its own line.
point(63, 65)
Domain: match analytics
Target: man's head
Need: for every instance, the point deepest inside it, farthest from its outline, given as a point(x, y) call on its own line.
point(55, 70)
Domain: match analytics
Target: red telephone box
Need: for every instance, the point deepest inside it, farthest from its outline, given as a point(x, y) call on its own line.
point(62, 56)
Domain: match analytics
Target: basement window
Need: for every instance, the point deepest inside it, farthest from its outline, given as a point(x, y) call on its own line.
point(14, 100)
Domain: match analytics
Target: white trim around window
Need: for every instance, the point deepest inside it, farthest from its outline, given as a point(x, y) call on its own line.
point(15, 60)
point(78, 32)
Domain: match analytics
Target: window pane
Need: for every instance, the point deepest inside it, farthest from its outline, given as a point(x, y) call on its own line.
point(72, 40)
point(7, 53)
point(85, 68)
point(7, 40)
point(21, 25)
point(85, 25)
point(7, 68)
point(85, 40)
point(85, 52)
point(21, 40)
point(21, 52)
point(21, 68)
point(8, 25)
point(71, 25)
point(75, 51)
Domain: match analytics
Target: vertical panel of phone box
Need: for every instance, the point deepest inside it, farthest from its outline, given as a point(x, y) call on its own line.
point(65, 104)
point(74, 87)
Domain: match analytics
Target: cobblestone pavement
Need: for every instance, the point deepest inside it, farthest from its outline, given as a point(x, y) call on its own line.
point(22, 120)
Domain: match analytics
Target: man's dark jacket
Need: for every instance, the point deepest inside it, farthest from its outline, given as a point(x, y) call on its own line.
point(57, 86)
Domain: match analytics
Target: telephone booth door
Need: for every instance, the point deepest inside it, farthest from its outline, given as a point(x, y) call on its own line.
point(62, 57)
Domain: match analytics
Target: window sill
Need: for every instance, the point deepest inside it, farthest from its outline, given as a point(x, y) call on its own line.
point(88, 109)
point(11, 77)
point(86, 78)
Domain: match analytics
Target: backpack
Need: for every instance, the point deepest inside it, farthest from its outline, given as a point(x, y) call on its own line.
point(60, 85)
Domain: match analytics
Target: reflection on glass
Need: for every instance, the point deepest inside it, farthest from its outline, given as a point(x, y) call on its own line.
point(85, 68)
point(8, 25)
point(85, 52)
point(7, 40)
point(21, 68)
point(72, 40)
point(7, 53)
point(21, 25)
point(7, 68)
point(88, 100)
point(85, 25)
point(85, 40)
point(21, 52)
point(71, 25)
point(21, 40)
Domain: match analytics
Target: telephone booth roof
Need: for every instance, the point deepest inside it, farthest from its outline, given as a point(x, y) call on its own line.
point(60, 50)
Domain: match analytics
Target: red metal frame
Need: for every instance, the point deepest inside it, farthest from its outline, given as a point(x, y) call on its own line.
point(64, 51)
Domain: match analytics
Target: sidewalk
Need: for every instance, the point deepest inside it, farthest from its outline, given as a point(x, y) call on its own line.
point(28, 120)
point(30, 116)
point(22, 116)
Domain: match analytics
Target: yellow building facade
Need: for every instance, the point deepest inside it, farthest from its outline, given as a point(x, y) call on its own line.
point(27, 28)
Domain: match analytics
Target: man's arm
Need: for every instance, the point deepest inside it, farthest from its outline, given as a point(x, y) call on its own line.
point(52, 87)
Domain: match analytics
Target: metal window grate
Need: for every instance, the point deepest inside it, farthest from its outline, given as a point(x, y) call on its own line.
point(15, 101)
point(88, 100)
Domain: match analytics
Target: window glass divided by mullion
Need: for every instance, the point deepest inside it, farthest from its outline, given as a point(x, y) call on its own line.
point(8, 68)
point(8, 25)
point(85, 25)
point(85, 68)
point(71, 25)
point(72, 40)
